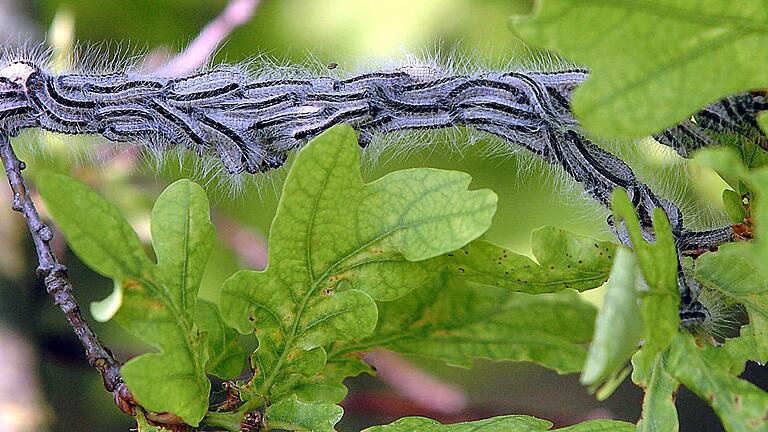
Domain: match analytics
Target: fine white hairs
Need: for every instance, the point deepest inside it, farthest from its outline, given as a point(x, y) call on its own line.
point(251, 121)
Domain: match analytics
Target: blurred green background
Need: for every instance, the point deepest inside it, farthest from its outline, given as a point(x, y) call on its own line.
point(350, 33)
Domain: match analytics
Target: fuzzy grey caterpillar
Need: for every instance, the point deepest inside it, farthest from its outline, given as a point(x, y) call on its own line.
point(251, 123)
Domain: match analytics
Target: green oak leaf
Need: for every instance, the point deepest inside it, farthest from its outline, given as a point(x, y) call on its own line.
point(458, 322)
point(641, 83)
point(516, 423)
point(734, 271)
point(158, 300)
point(710, 373)
point(225, 354)
point(618, 328)
point(659, 411)
point(94, 228)
point(658, 261)
point(563, 260)
point(327, 385)
point(335, 245)
point(740, 270)
point(295, 415)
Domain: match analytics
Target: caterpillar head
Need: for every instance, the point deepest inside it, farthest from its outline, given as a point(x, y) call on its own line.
point(16, 75)
point(16, 110)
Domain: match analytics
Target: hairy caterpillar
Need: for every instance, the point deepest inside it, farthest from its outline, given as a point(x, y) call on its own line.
point(251, 122)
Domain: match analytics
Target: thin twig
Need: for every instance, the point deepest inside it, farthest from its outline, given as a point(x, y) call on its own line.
point(54, 276)
point(200, 50)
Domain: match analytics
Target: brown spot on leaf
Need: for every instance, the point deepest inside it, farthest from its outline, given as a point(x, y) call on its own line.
point(130, 284)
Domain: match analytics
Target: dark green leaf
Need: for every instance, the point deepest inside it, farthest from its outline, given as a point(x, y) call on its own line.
point(513, 423)
point(734, 206)
point(704, 369)
point(733, 271)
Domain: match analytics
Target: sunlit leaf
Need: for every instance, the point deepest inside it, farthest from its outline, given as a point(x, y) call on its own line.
point(158, 300)
point(640, 82)
point(336, 244)
point(458, 322)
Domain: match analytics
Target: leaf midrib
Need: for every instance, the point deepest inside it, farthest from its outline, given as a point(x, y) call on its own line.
point(290, 338)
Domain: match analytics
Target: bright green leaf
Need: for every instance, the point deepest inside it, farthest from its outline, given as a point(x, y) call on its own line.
point(512, 423)
point(458, 322)
point(294, 415)
point(158, 300)
point(704, 369)
point(226, 356)
point(659, 411)
point(563, 260)
point(618, 328)
point(335, 243)
point(640, 82)
point(93, 227)
point(161, 310)
point(658, 261)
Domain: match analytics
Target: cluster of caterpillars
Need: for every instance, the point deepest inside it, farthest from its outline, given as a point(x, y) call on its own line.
point(250, 123)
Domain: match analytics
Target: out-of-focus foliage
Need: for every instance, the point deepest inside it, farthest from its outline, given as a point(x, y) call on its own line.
point(640, 82)
point(615, 338)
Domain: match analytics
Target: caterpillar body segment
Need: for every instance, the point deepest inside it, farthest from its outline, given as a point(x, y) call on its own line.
point(251, 123)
